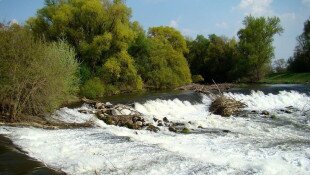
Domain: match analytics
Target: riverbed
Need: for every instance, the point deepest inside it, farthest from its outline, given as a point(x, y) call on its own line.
point(254, 144)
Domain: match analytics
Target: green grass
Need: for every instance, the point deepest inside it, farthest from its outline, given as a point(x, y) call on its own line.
point(287, 78)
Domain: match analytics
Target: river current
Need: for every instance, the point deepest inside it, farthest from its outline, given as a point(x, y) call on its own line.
point(255, 144)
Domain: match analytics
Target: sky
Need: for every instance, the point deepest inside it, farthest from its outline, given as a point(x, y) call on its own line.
point(192, 17)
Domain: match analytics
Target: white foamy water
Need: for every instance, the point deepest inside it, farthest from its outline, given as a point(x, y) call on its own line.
point(254, 145)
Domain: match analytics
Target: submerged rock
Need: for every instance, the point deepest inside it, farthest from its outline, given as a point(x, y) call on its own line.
point(226, 106)
point(153, 128)
point(264, 112)
point(185, 131)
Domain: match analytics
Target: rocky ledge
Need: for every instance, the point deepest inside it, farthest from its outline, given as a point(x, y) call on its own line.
point(126, 116)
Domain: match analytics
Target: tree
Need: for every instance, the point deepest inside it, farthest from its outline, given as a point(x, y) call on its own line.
point(300, 62)
point(280, 65)
point(99, 30)
point(214, 58)
point(255, 44)
point(198, 50)
point(221, 59)
point(161, 58)
point(36, 77)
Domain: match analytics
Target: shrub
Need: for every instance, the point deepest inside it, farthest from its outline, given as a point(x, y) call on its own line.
point(36, 77)
point(92, 88)
point(197, 78)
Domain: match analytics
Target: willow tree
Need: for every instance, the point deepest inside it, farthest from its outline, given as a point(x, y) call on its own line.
point(167, 66)
point(255, 45)
point(99, 30)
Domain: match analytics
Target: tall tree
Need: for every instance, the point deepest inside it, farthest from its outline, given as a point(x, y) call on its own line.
point(256, 44)
point(198, 51)
point(99, 30)
point(164, 65)
point(300, 62)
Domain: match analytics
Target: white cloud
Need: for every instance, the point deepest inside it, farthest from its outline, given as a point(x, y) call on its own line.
point(174, 23)
point(222, 25)
point(256, 7)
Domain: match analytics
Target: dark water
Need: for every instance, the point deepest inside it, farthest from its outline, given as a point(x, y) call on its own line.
point(270, 88)
point(15, 162)
point(196, 97)
point(163, 95)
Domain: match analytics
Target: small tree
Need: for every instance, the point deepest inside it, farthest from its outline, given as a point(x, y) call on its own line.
point(280, 65)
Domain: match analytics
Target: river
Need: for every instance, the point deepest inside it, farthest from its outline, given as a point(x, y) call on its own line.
point(255, 144)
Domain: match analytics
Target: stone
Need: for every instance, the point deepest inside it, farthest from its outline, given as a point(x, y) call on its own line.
point(115, 112)
point(108, 105)
point(264, 112)
point(172, 129)
point(125, 112)
point(160, 124)
point(165, 120)
point(98, 105)
point(155, 119)
point(153, 128)
point(139, 123)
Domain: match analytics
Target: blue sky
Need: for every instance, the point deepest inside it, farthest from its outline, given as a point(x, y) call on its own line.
point(192, 17)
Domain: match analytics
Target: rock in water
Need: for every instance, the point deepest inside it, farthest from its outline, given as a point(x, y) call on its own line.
point(226, 106)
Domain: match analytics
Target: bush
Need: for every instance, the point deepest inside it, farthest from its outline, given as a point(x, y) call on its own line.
point(93, 88)
point(197, 78)
point(36, 77)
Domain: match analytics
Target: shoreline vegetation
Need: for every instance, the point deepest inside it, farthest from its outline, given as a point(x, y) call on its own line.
point(287, 78)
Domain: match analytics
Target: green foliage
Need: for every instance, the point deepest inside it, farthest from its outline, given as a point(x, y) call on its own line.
point(166, 64)
point(101, 33)
point(36, 77)
point(197, 78)
point(198, 50)
point(215, 58)
point(120, 73)
point(290, 78)
point(300, 62)
point(92, 88)
point(256, 44)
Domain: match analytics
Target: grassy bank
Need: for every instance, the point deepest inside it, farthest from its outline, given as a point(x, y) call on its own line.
point(287, 78)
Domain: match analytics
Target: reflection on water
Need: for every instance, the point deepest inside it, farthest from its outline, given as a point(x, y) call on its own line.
point(14, 162)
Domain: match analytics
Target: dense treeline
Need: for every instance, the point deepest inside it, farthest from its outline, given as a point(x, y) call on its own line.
point(91, 48)
point(300, 62)
point(227, 60)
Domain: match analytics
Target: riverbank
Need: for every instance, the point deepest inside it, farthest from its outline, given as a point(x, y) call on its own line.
point(14, 161)
point(287, 78)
